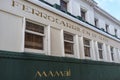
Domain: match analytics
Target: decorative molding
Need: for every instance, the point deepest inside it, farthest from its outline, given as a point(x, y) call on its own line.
point(91, 2)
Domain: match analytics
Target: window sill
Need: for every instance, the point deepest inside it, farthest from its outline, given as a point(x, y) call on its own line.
point(34, 51)
point(69, 55)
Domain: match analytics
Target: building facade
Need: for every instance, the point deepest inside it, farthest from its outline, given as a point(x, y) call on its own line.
point(66, 28)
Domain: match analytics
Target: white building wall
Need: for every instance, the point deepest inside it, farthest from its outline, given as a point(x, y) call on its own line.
point(56, 38)
point(93, 54)
point(75, 6)
point(103, 20)
point(118, 30)
point(111, 29)
point(104, 52)
point(91, 16)
point(119, 55)
point(89, 9)
point(74, 9)
point(119, 33)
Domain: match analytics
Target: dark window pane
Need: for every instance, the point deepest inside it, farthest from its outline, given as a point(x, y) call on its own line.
point(87, 47)
point(33, 41)
point(68, 37)
point(112, 53)
point(68, 48)
point(100, 54)
point(111, 49)
point(83, 14)
point(34, 27)
point(115, 32)
point(63, 5)
point(86, 42)
point(87, 51)
point(96, 22)
point(107, 27)
point(99, 45)
point(112, 56)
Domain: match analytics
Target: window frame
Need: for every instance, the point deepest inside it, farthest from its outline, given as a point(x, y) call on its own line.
point(115, 31)
point(112, 53)
point(87, 46)
point(42, 51)
point(85, 13)
point(96, 21)
point(64, 5)
point(107, 28)
point(100, 49)
point(71, 42)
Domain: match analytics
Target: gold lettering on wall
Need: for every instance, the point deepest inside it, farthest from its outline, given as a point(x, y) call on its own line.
point(44, 15)
point(58, 21)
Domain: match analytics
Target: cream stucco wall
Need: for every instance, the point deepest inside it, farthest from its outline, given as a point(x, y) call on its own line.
point(56, 43)
point(11, 32)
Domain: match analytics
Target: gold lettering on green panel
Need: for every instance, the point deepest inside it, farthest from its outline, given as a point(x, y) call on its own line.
point(51, 73)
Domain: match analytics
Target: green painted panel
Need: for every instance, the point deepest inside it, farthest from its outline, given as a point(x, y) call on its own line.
point(30, 66)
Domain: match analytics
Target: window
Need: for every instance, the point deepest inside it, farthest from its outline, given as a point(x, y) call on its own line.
point(100, 50)
point(68, 43)
point(107, 27)
point(83, 14)
point(63, 5)
point(87, 47)
point(115, 32)
point(34, 36)
point(112, 53)
point(96, 22)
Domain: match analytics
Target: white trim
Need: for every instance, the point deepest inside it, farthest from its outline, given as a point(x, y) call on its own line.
point(77, 51)
point(109, 54)
point(105, 52)
point(119, 55)
point(23, 32)
point(102, 52)
point(84, 10)
point(96, 50)
point(34, 50)
point(62, 42)
point(41, 4)
point(93, 56)
point(115, 55)
point(72, 42)
point(69, 41)
point(81, 48)
point(45, 42)
point(88, 46)
point(33, 32)
point(48, 40)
